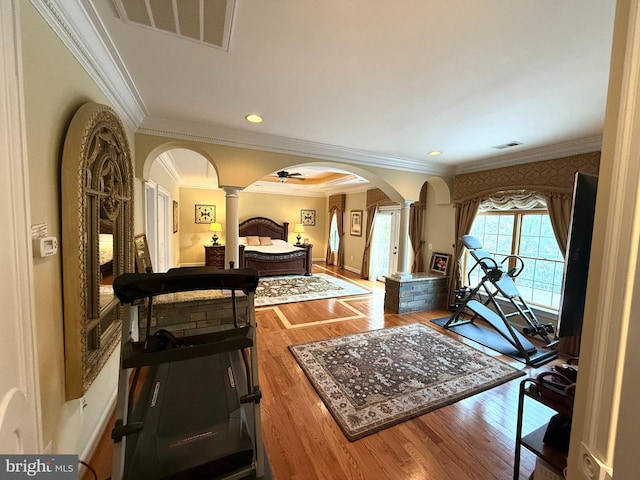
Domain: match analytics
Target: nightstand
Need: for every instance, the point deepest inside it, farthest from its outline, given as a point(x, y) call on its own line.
point(214, 256)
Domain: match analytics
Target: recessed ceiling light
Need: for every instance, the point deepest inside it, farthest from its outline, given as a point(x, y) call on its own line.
point(253, 118)
point(435, 153)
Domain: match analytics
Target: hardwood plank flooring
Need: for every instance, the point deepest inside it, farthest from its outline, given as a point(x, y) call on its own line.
point(472, 439)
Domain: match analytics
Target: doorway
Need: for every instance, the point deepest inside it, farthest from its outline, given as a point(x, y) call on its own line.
point(384, 243)
point(157, 215)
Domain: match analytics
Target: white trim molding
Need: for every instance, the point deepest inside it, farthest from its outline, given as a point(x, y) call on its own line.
point(20, 410)
point(604, 433)
point(78, 26)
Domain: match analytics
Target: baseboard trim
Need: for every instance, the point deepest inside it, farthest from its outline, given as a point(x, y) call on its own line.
point(352, 270)
point(94, 441)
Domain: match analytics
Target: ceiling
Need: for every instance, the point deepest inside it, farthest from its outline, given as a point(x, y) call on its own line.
point(366, 82)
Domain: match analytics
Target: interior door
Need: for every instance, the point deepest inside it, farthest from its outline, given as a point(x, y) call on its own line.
point(163, 226)
point(384, 243)
point(151, 221)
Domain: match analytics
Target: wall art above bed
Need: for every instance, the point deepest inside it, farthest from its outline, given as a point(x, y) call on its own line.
point(308, 218)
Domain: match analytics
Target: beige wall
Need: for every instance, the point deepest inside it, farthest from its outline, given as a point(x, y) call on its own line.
point(439, 227)
point(354, 245)
point(55, 86)
point(194, 236)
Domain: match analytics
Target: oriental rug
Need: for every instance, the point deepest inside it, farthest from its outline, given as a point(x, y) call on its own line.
point(373, 380)
point(294, 288)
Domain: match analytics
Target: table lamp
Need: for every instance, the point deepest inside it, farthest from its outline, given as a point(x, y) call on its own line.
point(299, 228)
point(215, 228)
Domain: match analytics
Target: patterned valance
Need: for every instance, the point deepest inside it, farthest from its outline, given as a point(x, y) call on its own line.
point(337, 202)
point(555, 175)
point(377, 197)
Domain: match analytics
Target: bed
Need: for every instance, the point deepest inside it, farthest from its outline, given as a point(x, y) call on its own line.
point(280, 258)
point(105, 255)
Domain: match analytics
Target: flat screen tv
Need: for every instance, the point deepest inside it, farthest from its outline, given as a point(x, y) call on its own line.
point(576, 268)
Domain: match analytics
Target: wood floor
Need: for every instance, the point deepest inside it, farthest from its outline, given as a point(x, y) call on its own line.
point(471, 439)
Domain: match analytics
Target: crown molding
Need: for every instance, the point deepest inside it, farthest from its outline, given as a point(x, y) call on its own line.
point(558, 150)
point(260, 141)
point(78, 26)
point(169, 165)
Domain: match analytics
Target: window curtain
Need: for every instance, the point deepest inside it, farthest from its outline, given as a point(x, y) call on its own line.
point(364, 269)
point(336, 206)
point(416, 221)
point(465, 215)
point(559, 207)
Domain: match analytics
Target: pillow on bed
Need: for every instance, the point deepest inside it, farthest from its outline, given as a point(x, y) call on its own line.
point(277, 241)
point(253, 241)
point(265, 241)
point(242, 240)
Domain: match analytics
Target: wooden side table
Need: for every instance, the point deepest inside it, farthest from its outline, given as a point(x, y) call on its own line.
point(214, 256)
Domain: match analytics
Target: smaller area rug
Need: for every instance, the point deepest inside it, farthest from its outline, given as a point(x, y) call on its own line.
point(376, 379)
point(294, 288)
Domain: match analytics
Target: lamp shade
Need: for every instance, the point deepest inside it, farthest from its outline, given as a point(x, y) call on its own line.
point(299, 228)
point(215, 228)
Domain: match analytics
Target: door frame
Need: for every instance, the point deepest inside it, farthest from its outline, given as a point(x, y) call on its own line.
point(20, 409)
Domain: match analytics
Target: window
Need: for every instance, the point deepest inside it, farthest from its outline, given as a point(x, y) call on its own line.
point(528, 234)
point(334, 238)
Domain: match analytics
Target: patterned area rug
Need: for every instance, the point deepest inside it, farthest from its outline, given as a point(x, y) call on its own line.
point(289, 289)
point(373, 380)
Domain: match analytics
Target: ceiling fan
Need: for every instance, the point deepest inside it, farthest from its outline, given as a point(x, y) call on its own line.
point(283, 176)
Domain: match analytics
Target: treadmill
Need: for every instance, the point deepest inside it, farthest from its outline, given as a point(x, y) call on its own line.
point(188, 407)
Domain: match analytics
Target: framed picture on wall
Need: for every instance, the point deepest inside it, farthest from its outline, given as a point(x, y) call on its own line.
point(143, 259)
point(308, 218)
point(356, 223)
point(440, 263)
point(175, 217)
point(205, 213)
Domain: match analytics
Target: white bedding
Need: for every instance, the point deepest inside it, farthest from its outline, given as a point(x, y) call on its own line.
point(285, 248)
point(106, 248)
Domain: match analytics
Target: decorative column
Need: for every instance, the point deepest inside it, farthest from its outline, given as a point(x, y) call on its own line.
point(403, 242)
point(231, 227)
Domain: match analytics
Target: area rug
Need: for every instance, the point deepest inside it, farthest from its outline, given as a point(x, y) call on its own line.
point(373, 380)
point(294, 288)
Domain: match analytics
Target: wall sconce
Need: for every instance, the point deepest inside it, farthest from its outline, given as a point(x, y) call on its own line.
point(299, 228)
point(215, 228)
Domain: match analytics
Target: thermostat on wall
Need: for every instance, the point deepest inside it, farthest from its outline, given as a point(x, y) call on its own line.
point(45, 246)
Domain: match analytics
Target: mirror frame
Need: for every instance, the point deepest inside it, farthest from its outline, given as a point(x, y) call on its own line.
point(96, 175)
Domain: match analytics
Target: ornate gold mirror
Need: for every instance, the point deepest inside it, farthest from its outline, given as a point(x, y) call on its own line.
point(97, 225)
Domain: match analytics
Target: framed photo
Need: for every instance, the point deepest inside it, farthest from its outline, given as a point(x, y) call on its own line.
point(356, 223)
point(440, 263)
point(205, 213)
point(175, 217)
point(308, 218)
point(143, 260)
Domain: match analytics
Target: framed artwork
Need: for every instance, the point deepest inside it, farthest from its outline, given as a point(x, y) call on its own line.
point(356, 223)
point(141, 250)
point(175, 217)
point(440, 263)
point(205, 213)
point(308, 218)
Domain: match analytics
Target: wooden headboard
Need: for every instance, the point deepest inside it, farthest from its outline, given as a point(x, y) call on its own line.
point(264, 227)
